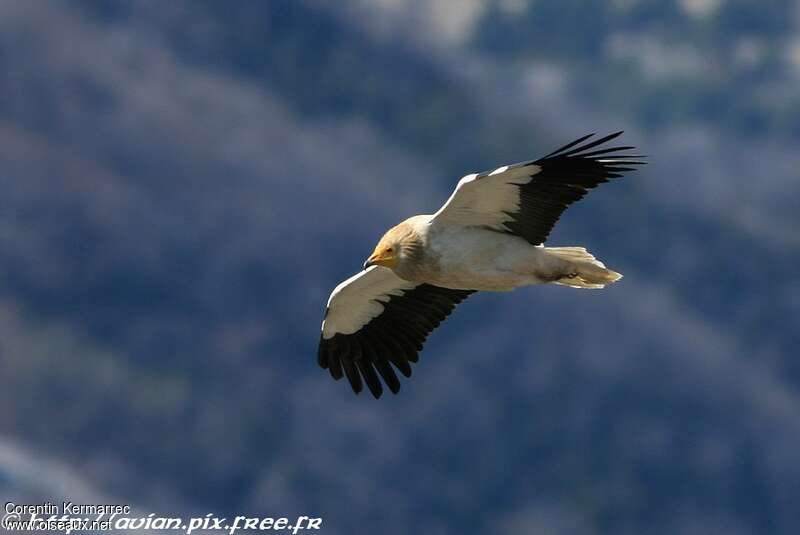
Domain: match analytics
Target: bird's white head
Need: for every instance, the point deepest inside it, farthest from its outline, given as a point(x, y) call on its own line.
point(398, 245)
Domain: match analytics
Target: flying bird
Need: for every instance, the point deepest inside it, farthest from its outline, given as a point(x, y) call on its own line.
point(488, 236)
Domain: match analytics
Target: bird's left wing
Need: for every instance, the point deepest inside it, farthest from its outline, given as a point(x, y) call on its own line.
point(526, 199)
point(376, 318)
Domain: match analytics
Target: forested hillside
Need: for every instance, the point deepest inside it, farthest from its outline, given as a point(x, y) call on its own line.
point(185, 182)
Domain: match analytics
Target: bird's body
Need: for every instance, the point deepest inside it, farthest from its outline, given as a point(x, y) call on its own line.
point(488, 236)
point(474, 258)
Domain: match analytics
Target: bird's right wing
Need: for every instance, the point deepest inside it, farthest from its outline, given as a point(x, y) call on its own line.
point(526, 199)
point(376, 318)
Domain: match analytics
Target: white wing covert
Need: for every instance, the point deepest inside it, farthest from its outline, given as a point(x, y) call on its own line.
point(375, 319)
point(527, 198)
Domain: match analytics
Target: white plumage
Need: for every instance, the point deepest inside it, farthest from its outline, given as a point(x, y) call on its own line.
point(487, 199)
point(354, 302)
point(488, 236)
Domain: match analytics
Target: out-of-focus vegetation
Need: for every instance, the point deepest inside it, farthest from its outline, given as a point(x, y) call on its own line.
point(184, 183)
point(734, 63)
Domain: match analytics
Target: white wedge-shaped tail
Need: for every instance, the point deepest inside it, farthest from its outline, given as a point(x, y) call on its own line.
point(588, 272)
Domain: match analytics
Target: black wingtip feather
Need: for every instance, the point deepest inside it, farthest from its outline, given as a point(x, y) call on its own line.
point(370, 377)
point(322, 356)
point(353, 376)
point(391, 340)
point(599, 152)
point(592, 144)
point(569, 145)
point(564, 177)
point(387, 373)
point(403, 367)
point(335, 368)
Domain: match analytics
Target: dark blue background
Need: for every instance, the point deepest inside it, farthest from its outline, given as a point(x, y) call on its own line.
point(183, 183)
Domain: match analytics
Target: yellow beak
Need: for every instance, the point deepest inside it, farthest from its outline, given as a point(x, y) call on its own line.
point(381, 258)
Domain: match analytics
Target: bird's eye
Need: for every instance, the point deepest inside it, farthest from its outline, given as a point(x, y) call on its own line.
point(389, 250)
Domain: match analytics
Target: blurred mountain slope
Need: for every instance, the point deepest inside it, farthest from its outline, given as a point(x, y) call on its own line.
point(184, 184)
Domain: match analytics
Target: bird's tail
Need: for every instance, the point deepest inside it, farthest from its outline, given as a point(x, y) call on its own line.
point(586, 270)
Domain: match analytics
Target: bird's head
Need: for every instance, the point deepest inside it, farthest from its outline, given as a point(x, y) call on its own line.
point(395, 247)
point(387, 253)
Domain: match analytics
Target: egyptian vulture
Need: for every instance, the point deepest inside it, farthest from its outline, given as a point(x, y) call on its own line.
point(488, 236)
